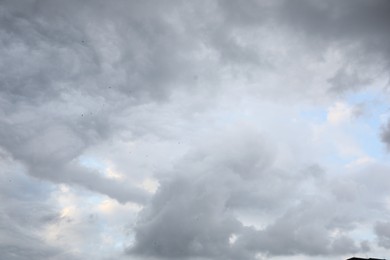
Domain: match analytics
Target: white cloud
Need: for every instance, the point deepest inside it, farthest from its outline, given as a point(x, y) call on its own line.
point(342, 113)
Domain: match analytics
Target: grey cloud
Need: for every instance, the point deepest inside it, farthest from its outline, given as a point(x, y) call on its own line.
point(75, 75)
point(382, 230)
point(31, 250)
point(370, 183)
point(341, 25)
point(190, 216)
point(252, 13)
point(361, 196)
point(333, 23)
point(344, 81)
point(25, 213)
point(303, 229)
point(148, 50)
point(82, 67)
point(385, 134)
point(345, 244)
point(185, 220)
point(194, 213)
point(122, 191)
point(50, 153)
point(339, 20)
point(40, 220)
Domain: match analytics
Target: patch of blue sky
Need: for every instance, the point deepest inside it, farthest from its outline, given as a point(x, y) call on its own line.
point(363, 233)
point(87, 198)
point(369, 141)
point(374, 106)
point(99, 166)
point(366, 127)
point(335, 159)
point(92, 163)
point(314, 114)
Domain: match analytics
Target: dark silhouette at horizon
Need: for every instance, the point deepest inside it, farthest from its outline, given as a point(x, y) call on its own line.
point(359, 258)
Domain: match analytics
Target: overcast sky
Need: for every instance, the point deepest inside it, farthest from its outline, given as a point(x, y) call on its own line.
point(194, 130)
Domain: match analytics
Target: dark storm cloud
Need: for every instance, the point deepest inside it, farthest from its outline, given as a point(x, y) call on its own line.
point(358, 25)
point(338, 20)
point(359, 29)
point(149, 48)
point(126, 47)
point(344, 81)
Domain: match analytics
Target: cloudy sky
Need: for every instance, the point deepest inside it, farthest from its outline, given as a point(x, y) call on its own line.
point(194, 130)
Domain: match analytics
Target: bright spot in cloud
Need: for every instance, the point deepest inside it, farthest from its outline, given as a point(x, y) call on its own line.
point(341, 112)
point(232, 239)
point(150, 185)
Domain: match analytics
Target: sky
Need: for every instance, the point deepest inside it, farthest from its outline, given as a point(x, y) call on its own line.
point(194, 130)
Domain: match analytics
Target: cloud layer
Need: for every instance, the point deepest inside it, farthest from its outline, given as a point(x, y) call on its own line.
point(204, 130)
